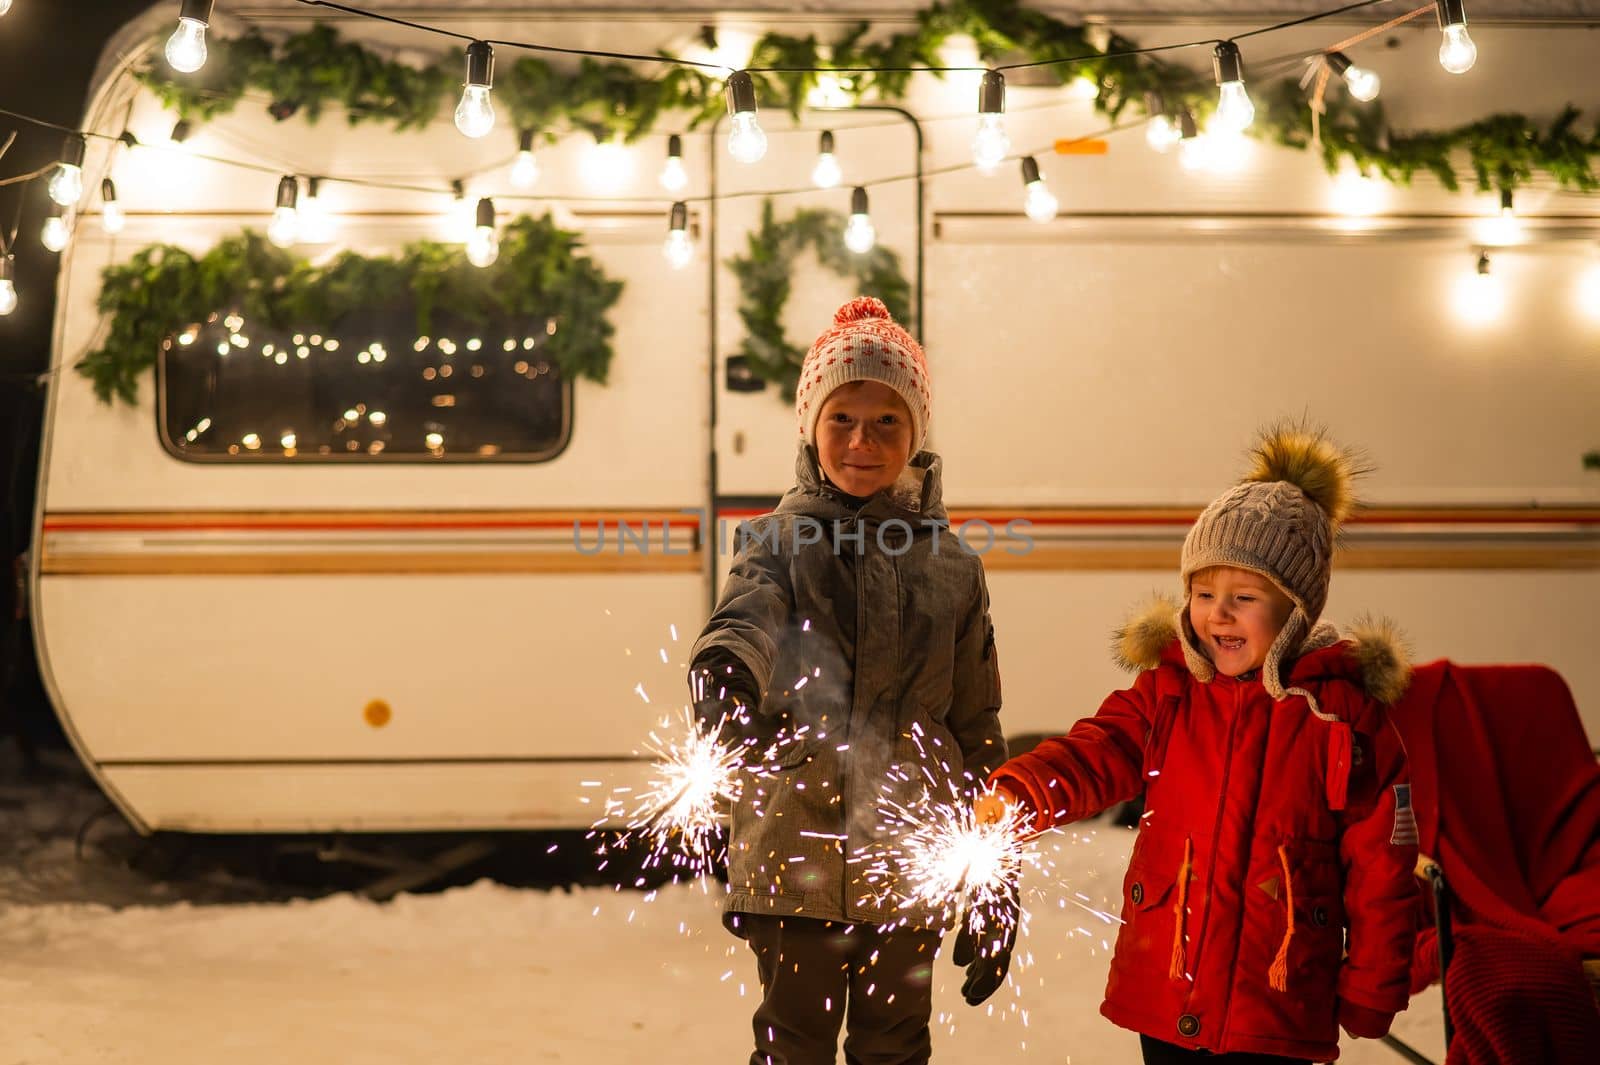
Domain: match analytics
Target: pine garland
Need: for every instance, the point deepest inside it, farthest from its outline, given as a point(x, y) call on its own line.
point(765, 273)
point(304, 73)
point(163, 289)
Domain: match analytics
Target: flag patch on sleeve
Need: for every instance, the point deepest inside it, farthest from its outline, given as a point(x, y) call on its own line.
point(1405, 819)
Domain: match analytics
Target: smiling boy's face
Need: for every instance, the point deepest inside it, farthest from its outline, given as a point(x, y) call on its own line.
point(863, 437)
point(1236, 614)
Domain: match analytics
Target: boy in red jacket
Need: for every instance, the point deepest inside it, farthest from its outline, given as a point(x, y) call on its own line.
point(1269, 898)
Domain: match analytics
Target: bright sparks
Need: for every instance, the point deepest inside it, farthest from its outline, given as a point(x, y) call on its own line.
point(695, 780)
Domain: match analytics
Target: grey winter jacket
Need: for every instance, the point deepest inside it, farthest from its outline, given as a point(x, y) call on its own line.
point(867, 633)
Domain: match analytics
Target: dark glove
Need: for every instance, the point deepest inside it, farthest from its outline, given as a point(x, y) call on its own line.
point(724, 693)
point(1363, 1023)
point(987, 960)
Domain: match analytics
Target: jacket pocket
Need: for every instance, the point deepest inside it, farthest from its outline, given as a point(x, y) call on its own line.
point(1294, 939)
point(1145, 940)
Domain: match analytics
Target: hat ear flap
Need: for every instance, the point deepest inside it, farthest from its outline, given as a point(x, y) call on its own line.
point(1285, 648)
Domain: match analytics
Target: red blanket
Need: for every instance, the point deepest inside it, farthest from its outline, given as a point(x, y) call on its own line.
point(1507, 795)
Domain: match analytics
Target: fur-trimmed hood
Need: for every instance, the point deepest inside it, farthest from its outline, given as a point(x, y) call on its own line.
point(1373, 652)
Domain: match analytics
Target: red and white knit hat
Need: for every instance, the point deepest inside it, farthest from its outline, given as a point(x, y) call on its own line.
point(864, 344)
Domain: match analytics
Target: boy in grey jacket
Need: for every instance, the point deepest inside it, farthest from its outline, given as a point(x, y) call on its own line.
point(852, 642)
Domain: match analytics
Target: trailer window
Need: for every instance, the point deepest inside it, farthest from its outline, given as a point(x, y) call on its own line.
point(368, 392)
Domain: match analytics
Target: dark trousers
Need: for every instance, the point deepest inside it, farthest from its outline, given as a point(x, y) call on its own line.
point(1158, 1053)
point(816, 975)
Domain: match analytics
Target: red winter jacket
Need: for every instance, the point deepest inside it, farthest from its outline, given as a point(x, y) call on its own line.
point(1273, 840)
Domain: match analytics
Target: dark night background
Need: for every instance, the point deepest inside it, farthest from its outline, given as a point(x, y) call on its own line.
point(48, 52)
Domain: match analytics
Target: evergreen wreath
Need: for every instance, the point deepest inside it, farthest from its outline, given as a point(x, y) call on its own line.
point(162, 290)
point(306, 72)
point(765, 272)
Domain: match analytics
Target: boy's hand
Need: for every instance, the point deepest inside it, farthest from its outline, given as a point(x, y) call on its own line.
point(991, 807)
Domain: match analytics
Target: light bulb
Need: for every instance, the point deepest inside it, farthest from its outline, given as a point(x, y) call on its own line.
point(859, 235)
point(1479, 296)
point(1161, 133)
point(1235, 112)
point(678, 249)
point(1362, 83)
point(8, 290)
point(186, 48)
point(826, 174)
point(674, 178)
point(525, 171)
point(483, 247)
point(747, 142)
point(1457, 53)
point(991, 145)
point(475, 112)
point(112, 217)
point(5, 5)
point(1037, 201)
point(66, 186)
point(284, 229)
point(55, 233)
point(316, 223)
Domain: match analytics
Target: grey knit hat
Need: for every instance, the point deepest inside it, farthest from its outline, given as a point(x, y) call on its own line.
point(1280, 522)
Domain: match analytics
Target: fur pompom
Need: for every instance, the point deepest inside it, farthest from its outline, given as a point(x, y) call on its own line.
point(1304, 456)
point(1137, 645)
point(860, 309)
point(1380, 649)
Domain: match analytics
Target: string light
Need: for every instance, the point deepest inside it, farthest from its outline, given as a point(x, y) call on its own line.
point(1161, 132)
point(1479, 296)
point(56, 231)
point(5, 5)
point(747, 142)
point(525, 171)
point(1037, 202)
point(186, 48)
point(112, 217)
point(1362, 83)
point(674, 178)
point(1235, 112)
point(66, 184)
point(483, 247)
point(678, 249)
point(475, 112)
point(8, 287)
point(859, 235)
point(1457, 53)
point(1191, 146)
point(316, 222)
point(826, 174)
point(991, 145)
point(284, 229)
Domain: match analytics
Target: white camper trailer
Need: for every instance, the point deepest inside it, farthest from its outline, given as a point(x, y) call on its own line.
point(456, 633)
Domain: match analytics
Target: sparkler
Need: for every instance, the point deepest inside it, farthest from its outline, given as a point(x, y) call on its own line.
point(695, 779)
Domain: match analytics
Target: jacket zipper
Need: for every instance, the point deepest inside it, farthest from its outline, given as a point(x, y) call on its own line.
point(1216, 830)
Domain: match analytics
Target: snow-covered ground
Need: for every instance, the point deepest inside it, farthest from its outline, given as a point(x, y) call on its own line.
point(485, 973)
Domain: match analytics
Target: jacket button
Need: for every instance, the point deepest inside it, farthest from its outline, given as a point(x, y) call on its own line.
point(1136, 893)
point(1319, 917)
point(1188, 1026)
